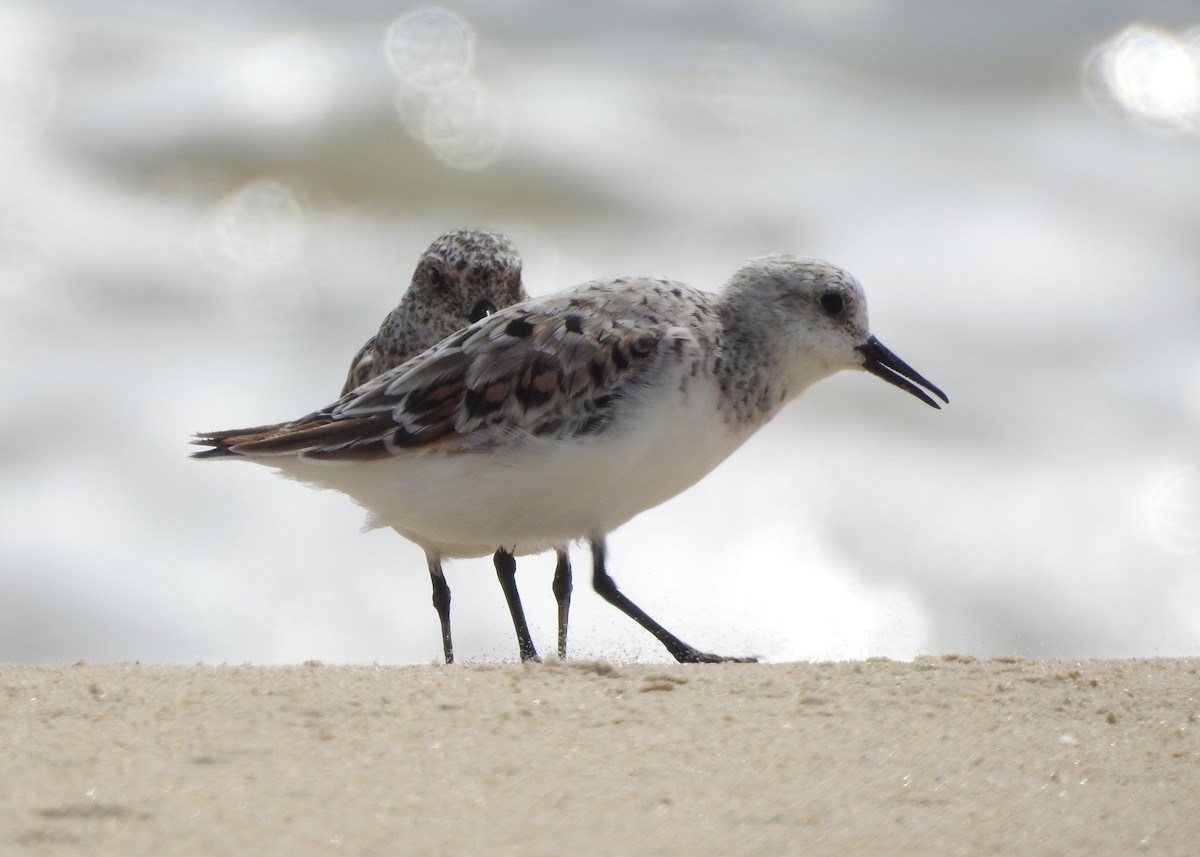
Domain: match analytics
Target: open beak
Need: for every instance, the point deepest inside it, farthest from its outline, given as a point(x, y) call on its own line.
point(879, 361)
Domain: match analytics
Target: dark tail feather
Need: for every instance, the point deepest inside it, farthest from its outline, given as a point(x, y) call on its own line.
point(310, 435)
point(222, 442)
point(215, 452)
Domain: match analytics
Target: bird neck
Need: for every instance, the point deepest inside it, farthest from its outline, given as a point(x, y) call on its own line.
point(747, 371)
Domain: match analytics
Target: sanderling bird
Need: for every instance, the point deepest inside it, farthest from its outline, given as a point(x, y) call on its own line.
point(463, 276)
point(561, 418)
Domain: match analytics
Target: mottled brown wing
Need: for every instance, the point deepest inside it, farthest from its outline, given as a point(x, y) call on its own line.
point(553, 370)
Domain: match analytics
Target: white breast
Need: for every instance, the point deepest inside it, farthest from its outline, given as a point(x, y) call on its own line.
point(537, 493)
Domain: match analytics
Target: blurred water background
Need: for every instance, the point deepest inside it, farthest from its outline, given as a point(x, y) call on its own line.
point(205, 208)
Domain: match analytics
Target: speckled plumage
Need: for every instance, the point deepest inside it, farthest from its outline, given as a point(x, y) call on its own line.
point(561, 418)
point(558, 369)
point(461, 277)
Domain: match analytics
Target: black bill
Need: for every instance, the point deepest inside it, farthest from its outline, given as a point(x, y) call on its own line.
point(879, 361)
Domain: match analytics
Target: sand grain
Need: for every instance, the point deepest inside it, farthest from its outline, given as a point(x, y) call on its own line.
point(939, 756)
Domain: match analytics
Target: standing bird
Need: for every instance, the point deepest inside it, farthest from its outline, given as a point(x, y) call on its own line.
point(564, 417)
point(463, 276)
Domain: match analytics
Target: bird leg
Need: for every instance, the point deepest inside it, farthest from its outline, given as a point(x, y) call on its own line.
point(562, 593)
point(607, 587)
point(441, 603)
point(506, 571)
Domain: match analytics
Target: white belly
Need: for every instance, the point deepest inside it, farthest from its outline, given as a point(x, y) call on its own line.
point(537, 494)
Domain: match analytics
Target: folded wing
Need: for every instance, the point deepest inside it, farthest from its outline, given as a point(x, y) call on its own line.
point(537, 370)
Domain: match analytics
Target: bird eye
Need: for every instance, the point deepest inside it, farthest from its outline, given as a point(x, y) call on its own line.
point(482, 309)
point(833, 303)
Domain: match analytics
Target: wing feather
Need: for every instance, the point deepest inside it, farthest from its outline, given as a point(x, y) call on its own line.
point(539, 370)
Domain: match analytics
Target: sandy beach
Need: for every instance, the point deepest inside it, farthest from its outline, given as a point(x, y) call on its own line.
point(943, 755)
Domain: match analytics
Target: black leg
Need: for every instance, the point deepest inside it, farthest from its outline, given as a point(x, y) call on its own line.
point(607, 588)
point(441, 603)
point(506, 570)
point(562, 593)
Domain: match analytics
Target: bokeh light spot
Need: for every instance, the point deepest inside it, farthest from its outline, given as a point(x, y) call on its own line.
point(1173, 506)
point(430, 48)
point(260, 227)
point(464, 126)
point(1149, 75)
point(251, 240)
